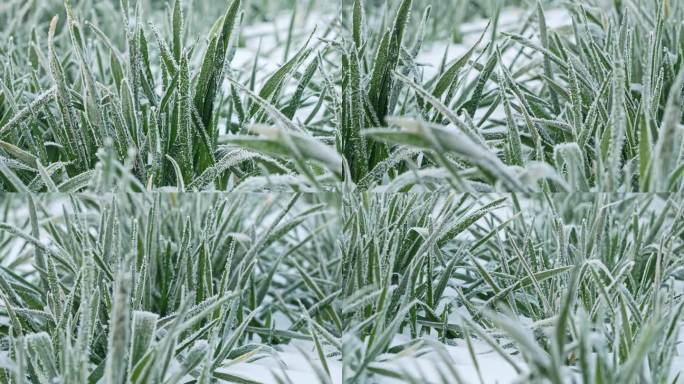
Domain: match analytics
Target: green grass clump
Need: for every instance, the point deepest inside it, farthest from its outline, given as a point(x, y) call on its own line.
point(151, 288)
point(191, 189)
point(581, 286)
point(594, 107)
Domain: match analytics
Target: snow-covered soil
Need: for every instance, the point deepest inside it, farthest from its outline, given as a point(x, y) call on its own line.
point(433, 53)
point(295, 362)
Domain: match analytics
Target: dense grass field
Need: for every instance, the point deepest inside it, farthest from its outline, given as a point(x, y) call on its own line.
point(147, 96)
point(153, 288)
point(360, 191)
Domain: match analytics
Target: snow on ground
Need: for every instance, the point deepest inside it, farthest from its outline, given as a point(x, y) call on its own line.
point(492, 367)
point(433, 53)
point(294, 362)
point(18, 217)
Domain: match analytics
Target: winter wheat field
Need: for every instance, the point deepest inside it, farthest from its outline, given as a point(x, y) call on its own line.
point(350, 191)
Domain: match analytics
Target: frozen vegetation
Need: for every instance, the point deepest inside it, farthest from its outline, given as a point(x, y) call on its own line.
point(300, 191)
